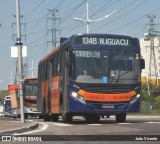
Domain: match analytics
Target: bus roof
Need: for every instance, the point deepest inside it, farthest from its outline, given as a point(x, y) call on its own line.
point(30, 79)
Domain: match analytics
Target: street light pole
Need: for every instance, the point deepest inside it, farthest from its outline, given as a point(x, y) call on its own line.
point(88, 21)
point(19, 46)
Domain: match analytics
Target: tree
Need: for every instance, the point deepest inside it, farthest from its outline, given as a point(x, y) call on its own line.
point(3, 93)
point(157, 103)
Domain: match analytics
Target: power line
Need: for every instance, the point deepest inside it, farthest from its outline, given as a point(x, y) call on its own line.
point(69, 14)
point(135, 20)
point(135, 7)
point(39, 20)
point(72, 12)
point(104, 7)
point(35, 8)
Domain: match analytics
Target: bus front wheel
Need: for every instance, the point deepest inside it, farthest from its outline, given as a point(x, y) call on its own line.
point(54, 117)
point(121, 118)
point(66, 117)
point(47, 117)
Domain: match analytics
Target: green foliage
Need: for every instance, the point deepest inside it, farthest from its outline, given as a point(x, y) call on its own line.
point(157, 103)
point(154, 99)
point(3, 93)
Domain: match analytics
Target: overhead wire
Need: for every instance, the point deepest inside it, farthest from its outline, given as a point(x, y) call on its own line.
point(67, 15)
point(104, 6)
point(39, 20)
point(135, 20)
point(126, 6)
point(73, 11)
point(35, 8)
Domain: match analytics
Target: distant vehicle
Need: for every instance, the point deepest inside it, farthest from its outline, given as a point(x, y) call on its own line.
point(91, 75)
point(30, 99)
point(1, 109)
point(7, 106)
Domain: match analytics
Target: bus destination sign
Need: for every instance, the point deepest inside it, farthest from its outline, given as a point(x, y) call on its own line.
point(105, 41)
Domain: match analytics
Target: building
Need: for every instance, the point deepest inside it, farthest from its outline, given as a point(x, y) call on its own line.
point(145, 52)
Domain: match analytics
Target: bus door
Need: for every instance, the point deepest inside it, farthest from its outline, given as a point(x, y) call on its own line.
point(64, 82)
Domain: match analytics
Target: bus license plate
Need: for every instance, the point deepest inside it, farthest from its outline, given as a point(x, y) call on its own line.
point(108, 106)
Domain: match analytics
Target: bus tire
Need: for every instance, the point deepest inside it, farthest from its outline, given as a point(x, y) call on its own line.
point(41, 116)
point(47, 117)
point(66, 118)
point(54, 117)
point(25, 116)
point(121, 118)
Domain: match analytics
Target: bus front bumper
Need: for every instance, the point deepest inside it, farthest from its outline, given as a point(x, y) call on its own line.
point(103, 108)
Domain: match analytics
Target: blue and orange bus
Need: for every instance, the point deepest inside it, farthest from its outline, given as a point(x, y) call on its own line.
point(12, 102)
point(91, 75)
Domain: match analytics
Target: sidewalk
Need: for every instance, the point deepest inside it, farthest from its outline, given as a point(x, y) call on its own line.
point(11, 126)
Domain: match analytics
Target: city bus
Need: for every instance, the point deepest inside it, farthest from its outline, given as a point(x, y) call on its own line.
point(91, 75)
point(30, 97)
point(12, 102)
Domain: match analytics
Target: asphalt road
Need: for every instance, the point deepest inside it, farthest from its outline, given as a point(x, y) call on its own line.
point(76, 131)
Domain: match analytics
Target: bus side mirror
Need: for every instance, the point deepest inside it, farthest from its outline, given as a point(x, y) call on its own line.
point(142, 64)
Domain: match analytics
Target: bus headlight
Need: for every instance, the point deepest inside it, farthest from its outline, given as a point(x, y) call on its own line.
point(78, 97)
point(134, 98)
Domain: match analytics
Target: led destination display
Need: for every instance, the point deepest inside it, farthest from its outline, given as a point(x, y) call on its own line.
point(105, 41)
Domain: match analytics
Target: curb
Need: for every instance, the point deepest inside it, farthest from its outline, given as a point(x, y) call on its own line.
point(31, 126)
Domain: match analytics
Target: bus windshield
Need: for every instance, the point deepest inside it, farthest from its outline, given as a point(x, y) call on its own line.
point(90, 66)
point(30, 90)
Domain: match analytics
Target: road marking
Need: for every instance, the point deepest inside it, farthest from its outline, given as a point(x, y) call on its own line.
point(95, 124)
point(43, 127)
point(61, 124)
point(124, 123)
point(152, 122)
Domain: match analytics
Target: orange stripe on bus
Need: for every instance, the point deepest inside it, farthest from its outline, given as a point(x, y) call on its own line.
point(107, 97)
point(30, 104)
point(31, 97)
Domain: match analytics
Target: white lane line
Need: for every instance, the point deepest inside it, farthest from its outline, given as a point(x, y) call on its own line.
point(94, 124)
point(43, 127)
point(152, 122)
point(124, 123)
point(61, 124)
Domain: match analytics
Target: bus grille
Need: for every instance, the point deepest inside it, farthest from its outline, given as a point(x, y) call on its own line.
point(99, 105)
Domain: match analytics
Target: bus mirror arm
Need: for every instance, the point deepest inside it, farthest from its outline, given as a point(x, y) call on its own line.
point(142, 64)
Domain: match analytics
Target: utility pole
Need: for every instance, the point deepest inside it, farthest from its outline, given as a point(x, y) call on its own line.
point(19, 46)
point(22, 26)
point(11, 78)
point(23, 36)
point(53, 28)
point(88, 21)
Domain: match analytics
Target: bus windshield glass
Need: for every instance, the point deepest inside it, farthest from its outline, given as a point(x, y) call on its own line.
point(30, 90)
point(91, 66)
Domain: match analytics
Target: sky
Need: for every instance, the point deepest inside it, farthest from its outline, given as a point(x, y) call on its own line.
point(36, 24)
